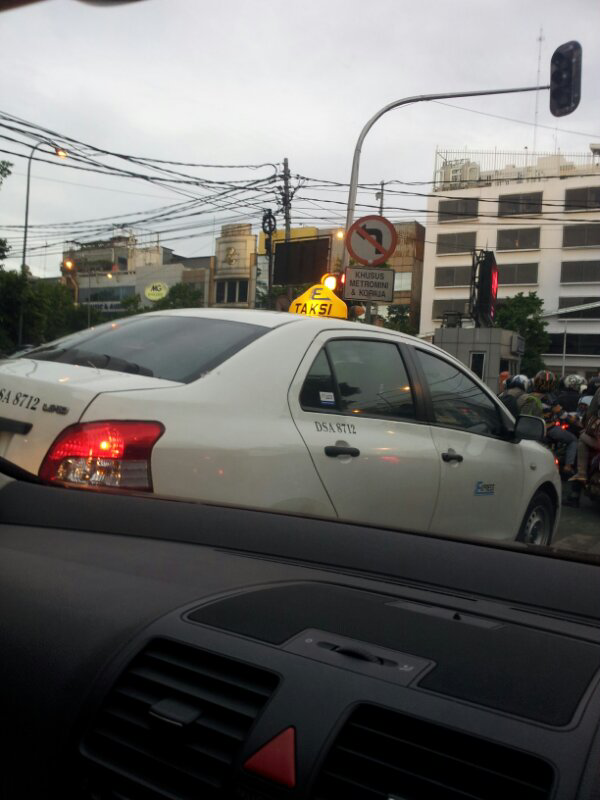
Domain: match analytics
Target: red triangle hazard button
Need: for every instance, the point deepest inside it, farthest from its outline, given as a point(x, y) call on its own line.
point(276, 760)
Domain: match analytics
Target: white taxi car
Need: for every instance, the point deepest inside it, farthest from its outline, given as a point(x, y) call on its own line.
point(278, 411)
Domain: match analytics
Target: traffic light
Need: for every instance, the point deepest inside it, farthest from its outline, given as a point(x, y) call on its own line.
point(487, 289)
point(565, 79)
point(69, 265)
point(335, 282)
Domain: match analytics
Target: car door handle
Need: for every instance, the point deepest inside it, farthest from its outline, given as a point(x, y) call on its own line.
point(451, 456)
point(335, 450)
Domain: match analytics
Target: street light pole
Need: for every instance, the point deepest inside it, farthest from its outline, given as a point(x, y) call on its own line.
point(23, 259)
point(28, 185)
point(396, 104)
point(61, 154)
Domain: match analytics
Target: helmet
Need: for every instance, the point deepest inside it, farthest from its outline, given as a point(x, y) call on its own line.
point(574, 382)
point(544, 381)
point(519, 382)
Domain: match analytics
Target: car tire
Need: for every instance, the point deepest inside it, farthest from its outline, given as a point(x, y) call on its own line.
point(538, 523)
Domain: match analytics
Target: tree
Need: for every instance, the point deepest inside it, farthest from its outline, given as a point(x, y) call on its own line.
point(181, 295)
point(522, 313)
point(48, 310)
point(132, 305)
point(12, 285)
point(4, 173)
point(399, 319)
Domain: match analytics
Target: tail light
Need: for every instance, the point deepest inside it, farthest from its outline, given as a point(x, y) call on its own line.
point(103, 455)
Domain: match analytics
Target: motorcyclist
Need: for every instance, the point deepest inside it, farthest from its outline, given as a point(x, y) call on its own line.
point(543, 388)
point(589, 440)
point(569, 397)
point(503, 378)
point(590, 390)
point(517, 397)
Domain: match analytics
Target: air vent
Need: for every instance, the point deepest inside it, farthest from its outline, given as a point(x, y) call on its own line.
point(380, 754)
point(172, 725)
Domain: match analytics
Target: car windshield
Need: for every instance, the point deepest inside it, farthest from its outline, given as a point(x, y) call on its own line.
point(174, 348)
point(362, 243)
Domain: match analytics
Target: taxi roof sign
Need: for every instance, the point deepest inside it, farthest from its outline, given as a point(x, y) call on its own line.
point(319, 301)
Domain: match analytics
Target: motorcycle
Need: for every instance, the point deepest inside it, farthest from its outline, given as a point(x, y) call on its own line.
point(557, 417)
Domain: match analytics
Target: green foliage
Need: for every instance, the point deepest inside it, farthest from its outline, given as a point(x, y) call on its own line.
point(4, 248)
point(399, 319)
point(181, 295)
point(48, 311)
point(12, 286)
point(522, 313)
point(132, 305)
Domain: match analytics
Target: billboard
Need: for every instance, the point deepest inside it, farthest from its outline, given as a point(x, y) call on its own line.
point(301, 261)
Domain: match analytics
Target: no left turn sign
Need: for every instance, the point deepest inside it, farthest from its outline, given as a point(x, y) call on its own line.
point(371, 240)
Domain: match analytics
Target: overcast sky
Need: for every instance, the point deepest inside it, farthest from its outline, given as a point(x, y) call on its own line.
point(252, 81)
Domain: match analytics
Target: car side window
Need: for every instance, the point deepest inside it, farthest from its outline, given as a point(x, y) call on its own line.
point(371, 378)
point(457, 401)
point(318, 390)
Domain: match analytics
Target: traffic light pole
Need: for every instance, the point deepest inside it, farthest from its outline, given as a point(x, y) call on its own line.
point(397, 104)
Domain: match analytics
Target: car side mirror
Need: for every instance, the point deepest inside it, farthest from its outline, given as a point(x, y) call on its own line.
point(528, 427)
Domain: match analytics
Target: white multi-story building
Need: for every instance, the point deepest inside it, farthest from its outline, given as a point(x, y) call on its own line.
point(541, 217)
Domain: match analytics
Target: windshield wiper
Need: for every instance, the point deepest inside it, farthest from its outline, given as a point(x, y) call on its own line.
point(86, 358)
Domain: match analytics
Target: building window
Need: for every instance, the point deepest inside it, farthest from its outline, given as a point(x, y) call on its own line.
point(582, 199)
point(578, 344)
point(510, 205)
point(402, 281)
point(518, 239)
point(122, 263)
point(440, 307)
point(448, 243)
point(462, 208)
point(580, 272)
point(582, 235)
point(105, 294)
point(590, 313)
point(232, 291)
point(477, 364)
point(453, 276)
point(509, 274)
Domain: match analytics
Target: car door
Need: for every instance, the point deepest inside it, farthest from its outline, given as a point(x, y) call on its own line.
point(356, 410)
point(482, 478)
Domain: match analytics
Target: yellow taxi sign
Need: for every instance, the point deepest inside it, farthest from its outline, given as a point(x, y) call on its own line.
point(319, 301)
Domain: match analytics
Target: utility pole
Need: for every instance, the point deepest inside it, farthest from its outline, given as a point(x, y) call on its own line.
point(287, 200)
point(379, 196)
point(287, 204)
point(369, 306)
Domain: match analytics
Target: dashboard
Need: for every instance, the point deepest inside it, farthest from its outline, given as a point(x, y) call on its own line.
point(158, 649)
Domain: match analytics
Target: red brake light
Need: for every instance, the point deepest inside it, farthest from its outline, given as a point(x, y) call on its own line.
point(111, 454)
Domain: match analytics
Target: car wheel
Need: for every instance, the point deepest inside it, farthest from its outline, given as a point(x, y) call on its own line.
point(538, 522)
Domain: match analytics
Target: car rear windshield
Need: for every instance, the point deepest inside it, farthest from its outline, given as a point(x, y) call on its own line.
point(175, 348)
